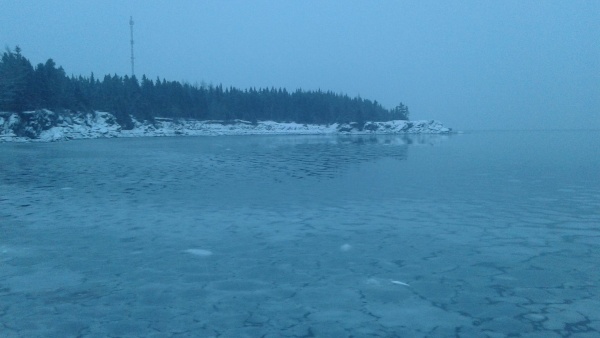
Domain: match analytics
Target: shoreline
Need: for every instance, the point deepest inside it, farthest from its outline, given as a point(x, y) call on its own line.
point(48, 126)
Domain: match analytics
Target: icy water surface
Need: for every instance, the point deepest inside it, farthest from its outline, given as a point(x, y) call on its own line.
point(483, 234)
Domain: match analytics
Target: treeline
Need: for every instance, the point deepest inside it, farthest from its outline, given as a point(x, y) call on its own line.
point(23, 87)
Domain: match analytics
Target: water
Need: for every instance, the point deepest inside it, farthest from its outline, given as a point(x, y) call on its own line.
point(483, 234)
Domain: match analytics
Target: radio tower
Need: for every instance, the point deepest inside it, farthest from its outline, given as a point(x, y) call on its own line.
point(132, 58)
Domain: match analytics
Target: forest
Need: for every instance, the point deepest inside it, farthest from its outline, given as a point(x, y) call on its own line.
point(47, 86)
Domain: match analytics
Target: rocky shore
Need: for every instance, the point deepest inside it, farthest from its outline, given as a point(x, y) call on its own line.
point(49, 126)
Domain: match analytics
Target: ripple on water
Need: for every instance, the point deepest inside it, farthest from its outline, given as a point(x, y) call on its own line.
point(44, 280)
point(241, 285)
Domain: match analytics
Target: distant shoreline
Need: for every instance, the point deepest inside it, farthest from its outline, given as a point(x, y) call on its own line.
point(48, 126)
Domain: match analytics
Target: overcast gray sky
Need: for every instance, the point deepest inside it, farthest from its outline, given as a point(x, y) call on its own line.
point(471, 64)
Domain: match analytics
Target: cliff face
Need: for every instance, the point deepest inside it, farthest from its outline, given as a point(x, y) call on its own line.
point(45, 125)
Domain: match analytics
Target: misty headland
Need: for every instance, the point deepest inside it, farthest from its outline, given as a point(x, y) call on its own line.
point(37, 99)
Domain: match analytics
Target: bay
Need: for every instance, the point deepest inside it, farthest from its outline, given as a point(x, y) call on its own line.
point(476, 234)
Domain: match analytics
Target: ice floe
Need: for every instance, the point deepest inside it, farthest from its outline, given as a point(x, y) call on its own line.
point(199, 252)
point(399, 283)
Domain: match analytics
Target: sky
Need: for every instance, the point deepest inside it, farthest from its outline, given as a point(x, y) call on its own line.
point(474, 65)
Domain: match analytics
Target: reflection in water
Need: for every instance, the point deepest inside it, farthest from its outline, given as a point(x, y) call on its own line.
point(324, 159)
point(177, 167)
point(302, 157)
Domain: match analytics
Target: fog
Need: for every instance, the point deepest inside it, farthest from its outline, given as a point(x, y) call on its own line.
point(469, 64)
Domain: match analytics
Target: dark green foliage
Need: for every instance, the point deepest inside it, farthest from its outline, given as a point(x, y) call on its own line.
point(400, 112)
point(24, 88)
point(15, 79)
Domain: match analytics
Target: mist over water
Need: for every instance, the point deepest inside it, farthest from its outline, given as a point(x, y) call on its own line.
point(473, 234)
point(508, 64)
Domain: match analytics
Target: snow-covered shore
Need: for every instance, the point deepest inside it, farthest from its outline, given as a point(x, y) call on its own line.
point(48, 126)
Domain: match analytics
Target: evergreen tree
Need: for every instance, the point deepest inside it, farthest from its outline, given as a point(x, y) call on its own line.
point(47, 86)
point(400, 112)
point(15, 76)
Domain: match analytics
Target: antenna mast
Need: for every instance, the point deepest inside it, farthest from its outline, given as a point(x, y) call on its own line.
point(132, 58)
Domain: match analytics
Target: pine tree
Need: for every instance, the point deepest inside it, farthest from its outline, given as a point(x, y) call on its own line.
point(15, 75)
point(400, 112)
